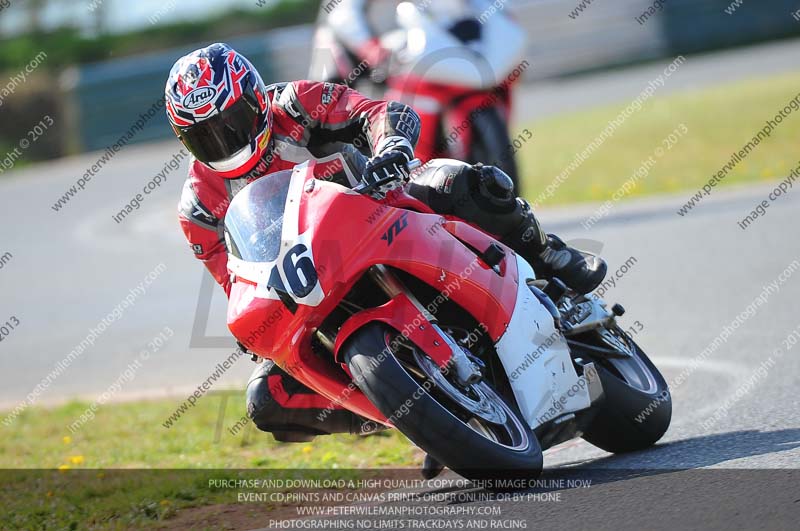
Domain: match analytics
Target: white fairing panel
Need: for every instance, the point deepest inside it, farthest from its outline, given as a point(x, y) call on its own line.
point(438, 56)
point(536, 359)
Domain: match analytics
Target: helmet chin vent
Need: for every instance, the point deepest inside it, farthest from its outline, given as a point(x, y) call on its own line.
point(234, 162)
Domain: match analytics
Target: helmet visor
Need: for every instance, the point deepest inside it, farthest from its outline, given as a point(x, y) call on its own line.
point(226, 133)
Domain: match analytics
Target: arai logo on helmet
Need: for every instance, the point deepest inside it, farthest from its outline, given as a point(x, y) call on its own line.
point(199, 97)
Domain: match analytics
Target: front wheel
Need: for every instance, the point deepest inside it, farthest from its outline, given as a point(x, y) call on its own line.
point(637, 407)
point(471, 430)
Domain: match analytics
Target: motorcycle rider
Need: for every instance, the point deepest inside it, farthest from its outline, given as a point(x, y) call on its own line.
point(239, 130)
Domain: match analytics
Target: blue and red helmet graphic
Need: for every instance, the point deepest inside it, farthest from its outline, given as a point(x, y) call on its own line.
point(205, 85)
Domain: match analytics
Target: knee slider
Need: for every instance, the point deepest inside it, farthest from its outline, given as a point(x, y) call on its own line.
point(484, 195)
point(496, 186)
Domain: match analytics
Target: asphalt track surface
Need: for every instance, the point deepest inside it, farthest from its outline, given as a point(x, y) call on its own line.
point(693, 275)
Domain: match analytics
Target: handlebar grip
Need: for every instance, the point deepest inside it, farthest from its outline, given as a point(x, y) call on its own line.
point(414, 164)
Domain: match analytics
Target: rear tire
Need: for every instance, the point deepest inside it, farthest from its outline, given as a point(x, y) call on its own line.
point(630, 419)
point(491, 144)
point(428, 423)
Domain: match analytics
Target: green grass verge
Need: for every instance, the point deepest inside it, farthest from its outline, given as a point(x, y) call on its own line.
point(720, 121)
point(132, 436)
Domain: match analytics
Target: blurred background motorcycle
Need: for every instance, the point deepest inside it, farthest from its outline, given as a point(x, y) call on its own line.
point(454, 61)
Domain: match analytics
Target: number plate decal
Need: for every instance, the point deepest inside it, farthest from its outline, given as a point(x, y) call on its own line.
point(294, 274)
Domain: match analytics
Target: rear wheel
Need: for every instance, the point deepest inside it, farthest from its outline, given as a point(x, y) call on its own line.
point(637, 407)
point(492, 145)
point(471, 429)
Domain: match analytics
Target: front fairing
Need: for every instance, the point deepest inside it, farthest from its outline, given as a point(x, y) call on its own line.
point(297, 268)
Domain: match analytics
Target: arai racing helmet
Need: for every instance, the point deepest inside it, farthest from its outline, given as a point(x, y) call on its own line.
point(218, 107)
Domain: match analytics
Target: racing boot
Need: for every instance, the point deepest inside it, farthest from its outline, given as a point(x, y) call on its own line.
point(551, 257)
point(279, 404)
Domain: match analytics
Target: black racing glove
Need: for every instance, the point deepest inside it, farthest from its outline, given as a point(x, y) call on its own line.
point(389, 167)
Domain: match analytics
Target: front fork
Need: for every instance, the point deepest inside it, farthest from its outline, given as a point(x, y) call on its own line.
point(465, 371)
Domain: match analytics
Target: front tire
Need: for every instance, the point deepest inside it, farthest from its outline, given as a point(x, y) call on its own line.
point(434, 423)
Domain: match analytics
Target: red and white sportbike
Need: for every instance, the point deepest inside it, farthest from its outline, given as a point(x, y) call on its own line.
point(458, 75)
point(429, 325)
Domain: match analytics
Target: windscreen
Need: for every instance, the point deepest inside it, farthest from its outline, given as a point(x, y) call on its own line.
point(254, 220)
